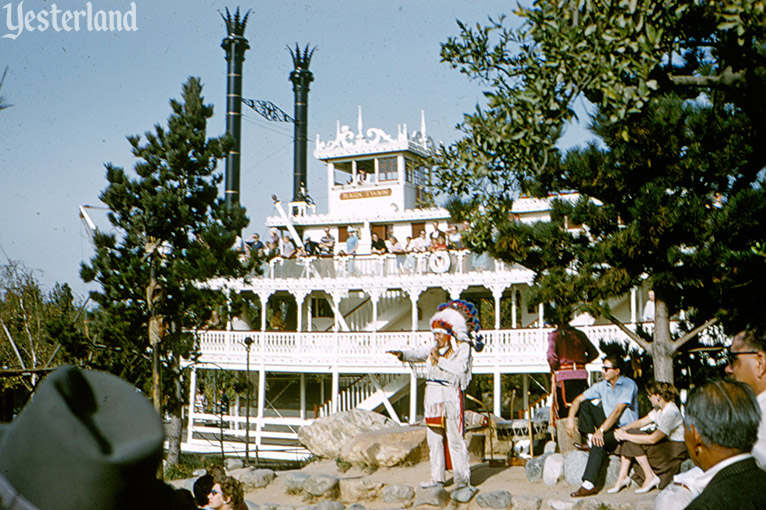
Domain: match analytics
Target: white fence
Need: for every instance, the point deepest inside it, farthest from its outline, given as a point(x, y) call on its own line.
point(510, 350)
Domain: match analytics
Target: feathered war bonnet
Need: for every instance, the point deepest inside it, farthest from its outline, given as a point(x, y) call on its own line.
point(460, 320)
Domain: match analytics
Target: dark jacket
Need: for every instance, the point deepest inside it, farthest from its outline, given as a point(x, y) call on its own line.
point(740, 486)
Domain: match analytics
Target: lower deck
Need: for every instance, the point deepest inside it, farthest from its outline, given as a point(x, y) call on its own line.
point(254, 389)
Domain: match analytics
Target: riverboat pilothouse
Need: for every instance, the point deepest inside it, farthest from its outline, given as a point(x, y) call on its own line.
point(315, 341)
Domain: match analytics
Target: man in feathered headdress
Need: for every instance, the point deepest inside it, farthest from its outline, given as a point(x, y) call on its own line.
point(448, 374)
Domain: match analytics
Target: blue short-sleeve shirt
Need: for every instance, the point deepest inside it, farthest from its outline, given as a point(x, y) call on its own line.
point(625, 391)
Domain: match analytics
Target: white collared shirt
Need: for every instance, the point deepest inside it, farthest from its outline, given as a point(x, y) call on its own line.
point(759, 449)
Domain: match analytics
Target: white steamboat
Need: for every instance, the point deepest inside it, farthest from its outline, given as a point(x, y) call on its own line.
point(340, 313)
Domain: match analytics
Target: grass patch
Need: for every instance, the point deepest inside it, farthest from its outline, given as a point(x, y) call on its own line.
point(188, 464)
point(342, 465)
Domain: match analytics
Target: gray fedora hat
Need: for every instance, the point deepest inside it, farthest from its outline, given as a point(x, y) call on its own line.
point(85, 439)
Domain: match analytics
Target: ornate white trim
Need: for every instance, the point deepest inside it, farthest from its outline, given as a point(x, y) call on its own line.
point(373, 141)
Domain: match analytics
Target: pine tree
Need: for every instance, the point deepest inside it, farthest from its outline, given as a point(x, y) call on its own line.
point(171, 232)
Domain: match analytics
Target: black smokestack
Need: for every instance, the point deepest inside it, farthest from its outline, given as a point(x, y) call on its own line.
point(301, 78)
point(235, 45)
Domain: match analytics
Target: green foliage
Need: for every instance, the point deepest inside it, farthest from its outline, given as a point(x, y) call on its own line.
point(172, 234)
point(674, 189)
point(342, 465)
point(189, 463)
point(43, 329)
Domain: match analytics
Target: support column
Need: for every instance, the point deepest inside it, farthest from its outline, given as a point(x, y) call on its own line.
point(228, 310)
point(414, 294)
point(514, 305)
point(264, 297)
point(497, 393)
point(374, 297)
point(540, 316)
point(192, 403)
point(413, 397)
point(633, 305)
point(303, 396)
point(309, 314)
point(261, 405)
point(525, 390)
point(497, 294)
point(455, 291)
point(335, 389)
point(300, 298)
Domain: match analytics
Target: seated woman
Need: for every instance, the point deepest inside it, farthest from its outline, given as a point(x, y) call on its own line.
point(659, 453)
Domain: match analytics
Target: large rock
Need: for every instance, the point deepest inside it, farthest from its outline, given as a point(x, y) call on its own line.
point(359, 489)
point(553, 469)
point(396, 493)
point(558, 504)
point(294, 482)
point(527, 502)
point(574, 467)
point(327, 436)
point(253, 478)
point(534, 468)
point(387, 447)
point(463, 494)
point(326, 505)
point(321, 486)
point(497, 500)
point(433, 496)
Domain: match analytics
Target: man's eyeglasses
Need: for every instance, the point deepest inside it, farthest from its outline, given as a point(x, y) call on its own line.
point(731, 356)
point(606, 368)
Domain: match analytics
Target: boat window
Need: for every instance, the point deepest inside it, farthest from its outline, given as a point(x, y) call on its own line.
point(342, 173)
point(414, 173)
point(320, 307)
point(387, 169)
point(368, 167)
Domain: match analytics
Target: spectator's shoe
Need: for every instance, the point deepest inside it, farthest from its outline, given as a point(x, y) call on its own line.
point(652, 485)
point(431, 485)
point(582, 447)
point(582, 492)
point(617, 488)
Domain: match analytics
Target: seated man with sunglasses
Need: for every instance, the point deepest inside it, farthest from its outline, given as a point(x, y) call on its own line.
point(747, 364)
point(617, 407)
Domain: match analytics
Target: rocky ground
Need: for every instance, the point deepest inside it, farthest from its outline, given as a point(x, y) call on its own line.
point(388, 488)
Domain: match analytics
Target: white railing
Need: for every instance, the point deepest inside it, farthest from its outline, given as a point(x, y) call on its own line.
point(391, 264)
point(355, 394)
point(506, 350)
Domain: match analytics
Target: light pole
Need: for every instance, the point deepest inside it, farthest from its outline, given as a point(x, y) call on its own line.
point(248, 344)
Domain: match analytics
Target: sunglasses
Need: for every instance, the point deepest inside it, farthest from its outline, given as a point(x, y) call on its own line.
point(606, 368)
point(731, 356)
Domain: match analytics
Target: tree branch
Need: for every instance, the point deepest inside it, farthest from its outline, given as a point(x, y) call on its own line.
point(691, 334)
point(647, 346)
point(727, 79)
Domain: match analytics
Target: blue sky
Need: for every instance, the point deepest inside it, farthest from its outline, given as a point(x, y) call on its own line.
point(76, 96)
